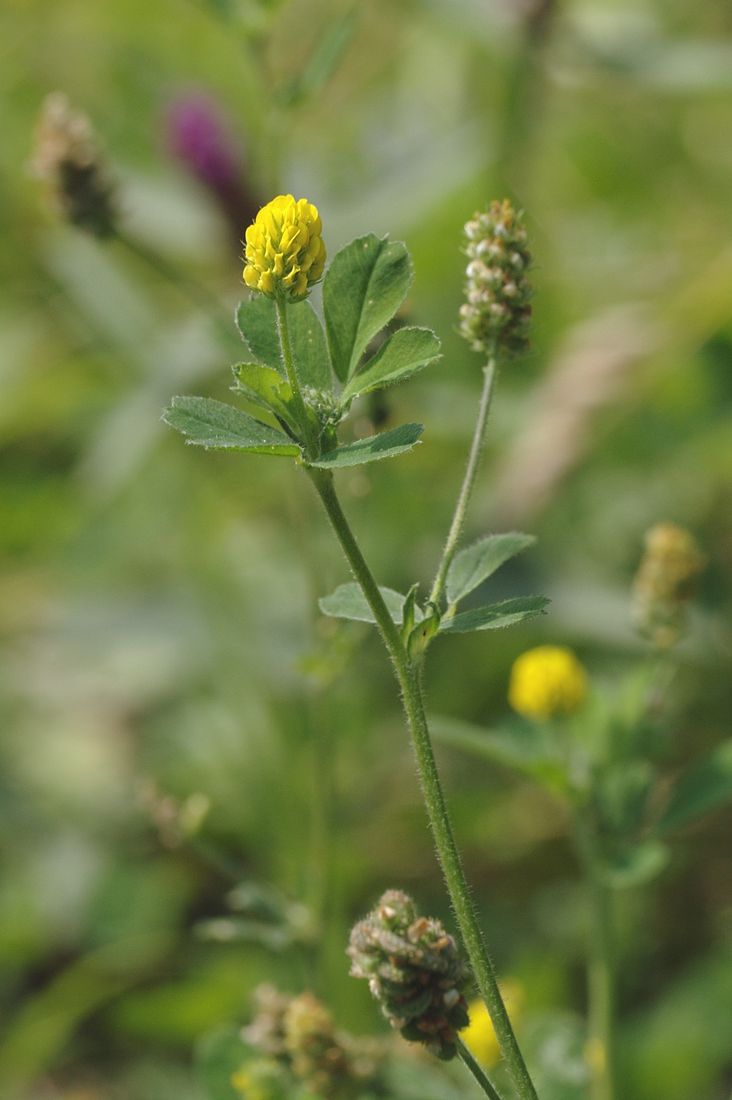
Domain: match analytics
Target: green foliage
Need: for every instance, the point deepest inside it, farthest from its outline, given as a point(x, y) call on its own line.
point(473, 565)
point(495, 615)
point(256, 319)
point(364, 286)
point(211, 424)
point(528, 748)
point(405, 352)
point(218, 1057)
point(636, 865)
point(309, 349)
point(705, 787)
point(265, 387)
point(349, 602)
point(394, 442)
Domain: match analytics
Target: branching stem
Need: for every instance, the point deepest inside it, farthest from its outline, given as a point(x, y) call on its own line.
point(408, 676)
point(477, 1071)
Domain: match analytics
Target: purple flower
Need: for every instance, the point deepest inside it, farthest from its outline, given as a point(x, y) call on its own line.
point(199, 136)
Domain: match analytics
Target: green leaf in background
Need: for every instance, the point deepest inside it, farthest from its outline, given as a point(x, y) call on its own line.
point(387, 445)
point(705, 787)
point(219, 1055)
point(211, 424)
point(256, 319)
point(349, 602)
point(636, 866)
point(495, 615)
point(527, 748)
point(403, 354)
point(473, 565)
point(365, 284)
point(263, 386)
point(309, 349)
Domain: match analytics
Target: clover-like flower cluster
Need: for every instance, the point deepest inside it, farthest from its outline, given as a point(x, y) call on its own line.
point(296, 1036)
point(547, 682)
point(67, 157)
point(284, 250)
point(496, 313)
point(414, 971)
point(665, 582)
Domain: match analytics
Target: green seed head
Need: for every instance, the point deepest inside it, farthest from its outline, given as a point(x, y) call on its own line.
point(414, 971)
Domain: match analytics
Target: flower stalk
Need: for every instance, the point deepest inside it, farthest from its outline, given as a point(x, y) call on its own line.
point(466, 489)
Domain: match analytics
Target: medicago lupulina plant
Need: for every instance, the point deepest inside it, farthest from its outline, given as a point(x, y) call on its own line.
point(304, 376)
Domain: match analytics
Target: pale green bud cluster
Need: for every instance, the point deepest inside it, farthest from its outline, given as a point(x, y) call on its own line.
point(414, 971)
point(298, 1035)
point(496, 313)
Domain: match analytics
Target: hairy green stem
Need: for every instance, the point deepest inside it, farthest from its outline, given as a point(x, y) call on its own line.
point(466, 488)
point(410, 684)
point(477, 1071)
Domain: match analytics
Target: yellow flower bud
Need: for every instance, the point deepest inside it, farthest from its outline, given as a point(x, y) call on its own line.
point(479, 1036)
point(547, 682)
point(284, 251)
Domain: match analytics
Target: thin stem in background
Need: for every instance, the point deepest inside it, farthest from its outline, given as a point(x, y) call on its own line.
point(448, 855)
point(196, 293)
point(601, 990)
point(466, 488)
point(600, 969)
point(477, 1071)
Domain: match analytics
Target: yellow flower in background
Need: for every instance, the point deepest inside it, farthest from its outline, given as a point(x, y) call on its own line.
point(479, 1036)
point(547, 682)
point(284, 250)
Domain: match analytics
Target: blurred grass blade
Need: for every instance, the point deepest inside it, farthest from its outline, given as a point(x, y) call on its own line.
point(322, 63)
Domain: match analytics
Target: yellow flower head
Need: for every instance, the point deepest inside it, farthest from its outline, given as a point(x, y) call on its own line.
point(479, 1036)
point(284, 251)
point(547, 682)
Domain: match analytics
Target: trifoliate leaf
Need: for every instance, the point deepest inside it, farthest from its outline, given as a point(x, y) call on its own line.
point(387, 445)
point(403, 354)
point(495, 615)
point(365, 284)
point(211, 424)
point(473, 565)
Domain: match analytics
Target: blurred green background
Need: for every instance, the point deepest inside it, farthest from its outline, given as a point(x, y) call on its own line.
point(158, 622)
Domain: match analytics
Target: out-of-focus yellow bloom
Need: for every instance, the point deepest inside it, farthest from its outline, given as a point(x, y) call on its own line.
point(665, 582)
point(479, 1036)
point(547, 682)
point(284, 250)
